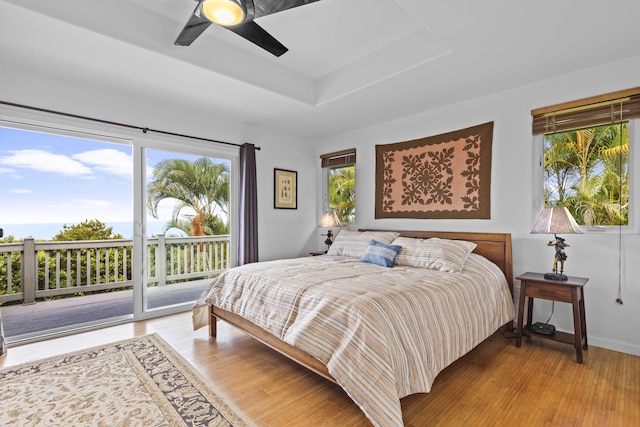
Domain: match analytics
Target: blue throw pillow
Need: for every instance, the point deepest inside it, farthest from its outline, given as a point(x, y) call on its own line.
point(381, 253)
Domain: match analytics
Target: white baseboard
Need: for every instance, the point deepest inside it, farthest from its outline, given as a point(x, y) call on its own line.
point(609, 344)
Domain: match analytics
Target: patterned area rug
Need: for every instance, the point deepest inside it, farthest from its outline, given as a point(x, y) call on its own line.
point(137, 382)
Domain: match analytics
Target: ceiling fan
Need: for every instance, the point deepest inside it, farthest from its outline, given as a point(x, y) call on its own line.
point(237, 16)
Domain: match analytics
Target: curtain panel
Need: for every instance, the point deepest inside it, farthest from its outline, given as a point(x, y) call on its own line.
point(248, 206)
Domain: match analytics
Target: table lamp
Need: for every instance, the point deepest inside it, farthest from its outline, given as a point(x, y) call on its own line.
point(556, 220)
point(329, 219)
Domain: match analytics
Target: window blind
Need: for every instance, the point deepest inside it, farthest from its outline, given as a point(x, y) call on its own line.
point(339, 158)
point(597, 110)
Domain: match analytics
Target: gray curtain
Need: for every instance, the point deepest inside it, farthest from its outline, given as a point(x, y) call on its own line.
point(248, 230)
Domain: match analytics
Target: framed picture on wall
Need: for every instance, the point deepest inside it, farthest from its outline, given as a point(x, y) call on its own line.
point(285, 189)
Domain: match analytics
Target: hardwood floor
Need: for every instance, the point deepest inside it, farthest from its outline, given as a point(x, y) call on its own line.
point(539, 384)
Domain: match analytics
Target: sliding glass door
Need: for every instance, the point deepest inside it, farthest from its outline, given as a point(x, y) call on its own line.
point(188, 225)
point(66, 250)
point(108, 225)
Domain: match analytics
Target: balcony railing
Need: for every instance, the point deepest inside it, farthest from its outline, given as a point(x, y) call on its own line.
point(35, 270)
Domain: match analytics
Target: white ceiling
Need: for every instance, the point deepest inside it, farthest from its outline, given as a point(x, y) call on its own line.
point(351, 63)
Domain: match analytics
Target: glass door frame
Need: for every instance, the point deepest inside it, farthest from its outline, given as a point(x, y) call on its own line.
point(172, 144)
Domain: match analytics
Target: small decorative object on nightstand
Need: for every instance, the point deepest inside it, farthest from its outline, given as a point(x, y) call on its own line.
point(553, 220)
point(534, 285)
point(329, 219)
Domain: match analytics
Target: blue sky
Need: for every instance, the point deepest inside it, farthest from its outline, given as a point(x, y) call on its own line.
point(49, 178)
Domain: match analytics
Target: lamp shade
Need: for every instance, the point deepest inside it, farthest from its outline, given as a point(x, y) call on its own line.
point(329, 219)
point(556, 220)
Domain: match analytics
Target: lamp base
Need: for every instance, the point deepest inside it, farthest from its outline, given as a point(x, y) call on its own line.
point(555, 276)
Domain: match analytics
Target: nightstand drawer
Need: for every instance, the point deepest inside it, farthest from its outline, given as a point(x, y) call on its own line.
point(548, 291)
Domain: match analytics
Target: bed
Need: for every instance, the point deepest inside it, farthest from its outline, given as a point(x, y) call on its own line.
point(381, 333)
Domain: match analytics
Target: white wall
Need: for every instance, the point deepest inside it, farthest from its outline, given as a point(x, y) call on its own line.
point(609, 324)
point(285, 233)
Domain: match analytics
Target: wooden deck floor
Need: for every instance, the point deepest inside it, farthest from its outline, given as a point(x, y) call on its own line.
point(19, 320)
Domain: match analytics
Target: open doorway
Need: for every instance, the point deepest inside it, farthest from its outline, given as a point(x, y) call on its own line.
point(65, 258)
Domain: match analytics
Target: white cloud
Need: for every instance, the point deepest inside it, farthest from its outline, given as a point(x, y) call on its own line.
point(10, 173)
point(94, 203)
point(20, 191)
point(108, 160)
point(82, 203)
point(69, 212)
point(46, 162)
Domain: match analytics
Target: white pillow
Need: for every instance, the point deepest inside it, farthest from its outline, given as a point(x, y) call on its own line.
point(435, 254)
point(354, 244)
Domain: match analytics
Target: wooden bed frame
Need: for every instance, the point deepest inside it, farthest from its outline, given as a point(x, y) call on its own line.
point(494, 246)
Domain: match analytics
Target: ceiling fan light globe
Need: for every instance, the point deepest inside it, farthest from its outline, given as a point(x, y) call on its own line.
point(223, 12)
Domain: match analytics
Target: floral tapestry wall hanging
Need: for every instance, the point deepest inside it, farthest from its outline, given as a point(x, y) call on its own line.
point(445, 176)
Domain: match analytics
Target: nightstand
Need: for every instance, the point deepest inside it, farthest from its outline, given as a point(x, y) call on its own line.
point(534, 285)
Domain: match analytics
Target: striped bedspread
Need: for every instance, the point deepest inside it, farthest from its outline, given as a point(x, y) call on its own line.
point(383, 333)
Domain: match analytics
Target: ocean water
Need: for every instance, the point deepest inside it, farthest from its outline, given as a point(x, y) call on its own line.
point(46, 231)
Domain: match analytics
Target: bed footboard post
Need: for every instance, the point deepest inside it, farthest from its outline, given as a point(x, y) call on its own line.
point(213, 323)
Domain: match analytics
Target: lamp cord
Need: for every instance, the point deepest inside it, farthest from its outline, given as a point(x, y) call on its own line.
point(619, 298)
point(552, 307)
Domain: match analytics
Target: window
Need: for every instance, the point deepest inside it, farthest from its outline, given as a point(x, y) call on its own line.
point(587, 170)
point(340, 193)
point(586, 151)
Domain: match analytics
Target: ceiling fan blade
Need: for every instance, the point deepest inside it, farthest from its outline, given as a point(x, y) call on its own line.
point(249, 30)
point(259, 36)
point(192, 30)
point(268, 7)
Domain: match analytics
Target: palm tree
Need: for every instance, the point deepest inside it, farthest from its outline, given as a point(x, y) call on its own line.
point(587, 171)
point(201, 185)
point(342, 195)
point(613, 194)
point(558, 168)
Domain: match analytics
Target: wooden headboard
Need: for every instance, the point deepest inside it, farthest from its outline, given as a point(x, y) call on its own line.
point(496, 247)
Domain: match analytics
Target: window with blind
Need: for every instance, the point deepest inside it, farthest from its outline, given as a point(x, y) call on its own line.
point(340, 177)
point(585, 157)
